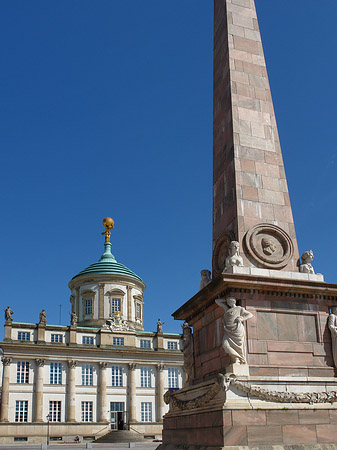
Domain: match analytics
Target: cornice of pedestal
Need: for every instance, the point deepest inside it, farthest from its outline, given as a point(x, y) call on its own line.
point(232, 284)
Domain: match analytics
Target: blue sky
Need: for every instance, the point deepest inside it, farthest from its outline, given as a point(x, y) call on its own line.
point(106, 110)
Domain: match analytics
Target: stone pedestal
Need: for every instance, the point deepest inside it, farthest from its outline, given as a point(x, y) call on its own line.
point(285, 395)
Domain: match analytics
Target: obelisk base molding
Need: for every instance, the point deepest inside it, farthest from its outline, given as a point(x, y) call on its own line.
point(235, 411)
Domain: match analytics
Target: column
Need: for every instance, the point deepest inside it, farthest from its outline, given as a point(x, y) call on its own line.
point(38, 391)
point(102, 403)
point(71, 387)
point(129, 291)
point(132, 393)
point(160, 392)
point(101, 301)
point(5, 388)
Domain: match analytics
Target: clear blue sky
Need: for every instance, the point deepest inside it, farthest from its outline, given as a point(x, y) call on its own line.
point(106, 110)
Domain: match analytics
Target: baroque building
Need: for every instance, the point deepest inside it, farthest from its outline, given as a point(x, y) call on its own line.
point(102, 372)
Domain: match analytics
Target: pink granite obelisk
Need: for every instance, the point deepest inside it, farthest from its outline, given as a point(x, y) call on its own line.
point(250, 194)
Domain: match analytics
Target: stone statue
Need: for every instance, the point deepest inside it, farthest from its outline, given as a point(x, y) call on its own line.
point(332, 325)
point(160, 326)
point(188, 352)
point(73, 319)
point(205, 278)
point(43, 317)
point(233, 258)
point(306, 266)
point(8, 314)
point(234, 339)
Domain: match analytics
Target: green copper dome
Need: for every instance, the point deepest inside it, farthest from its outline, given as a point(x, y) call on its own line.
point(108, 265)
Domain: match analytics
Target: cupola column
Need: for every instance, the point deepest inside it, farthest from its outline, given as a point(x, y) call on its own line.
point(5, 388)
point(71, 391)
point(102, 405)
point(132, 393)
point(160, 392)
point(38, 393)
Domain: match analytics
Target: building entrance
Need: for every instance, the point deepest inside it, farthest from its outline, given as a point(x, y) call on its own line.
point(117, 416)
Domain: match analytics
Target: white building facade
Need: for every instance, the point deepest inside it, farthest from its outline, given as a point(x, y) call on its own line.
point(103, 372)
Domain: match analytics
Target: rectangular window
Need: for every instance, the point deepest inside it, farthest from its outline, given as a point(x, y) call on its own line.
point(172, 377)
point(88, 307)
point(115, 305)
point(117, 406)
point(146, 412)
point(117, 341)
point(172, 345)
point(86, 411)
point(138, 311)
point(22, 372)
point(21, 411)
point(56, 338)
point(23, 335)
point(117, 377)
point(87, 376)
point(88, 340)
point(55, 373)
point(145, 343)
point(145, 377)
point(55, 411)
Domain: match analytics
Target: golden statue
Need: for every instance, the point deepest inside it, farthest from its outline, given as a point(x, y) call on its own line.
point(109, 225)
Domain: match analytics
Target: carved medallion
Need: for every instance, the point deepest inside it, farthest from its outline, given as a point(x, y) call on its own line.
point(269, 245)
point(220, 252)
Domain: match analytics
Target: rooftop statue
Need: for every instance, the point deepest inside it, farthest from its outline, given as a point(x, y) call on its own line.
point(205, 278)
point(109, 225)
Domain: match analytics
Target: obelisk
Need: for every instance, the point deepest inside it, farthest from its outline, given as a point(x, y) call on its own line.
point(250, 195)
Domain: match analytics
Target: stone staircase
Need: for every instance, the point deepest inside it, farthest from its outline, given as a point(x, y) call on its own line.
point(121, 437)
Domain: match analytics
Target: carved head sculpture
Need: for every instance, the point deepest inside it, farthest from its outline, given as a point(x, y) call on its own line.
point(307, 257)
point(268, 246)
point(234, 248)
point(231, 301)
point(205, 274)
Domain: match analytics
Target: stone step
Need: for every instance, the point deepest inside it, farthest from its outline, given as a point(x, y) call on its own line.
point(121, 436)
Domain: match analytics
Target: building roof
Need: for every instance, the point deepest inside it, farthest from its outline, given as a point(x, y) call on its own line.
point(108, 265)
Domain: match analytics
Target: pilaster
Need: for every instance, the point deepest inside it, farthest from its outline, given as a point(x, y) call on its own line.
point(101, 301)
point(132, 393)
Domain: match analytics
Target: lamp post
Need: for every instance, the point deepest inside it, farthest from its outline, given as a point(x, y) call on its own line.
point(48, 419)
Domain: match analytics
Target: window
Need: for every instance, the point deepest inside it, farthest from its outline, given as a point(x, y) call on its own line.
point(115, 305)
point(117, 341)
point(146, 412)
point(138, 311)
point(145, 377)
point(145, 343)
point(88, 307)
point(22, 372)
point(117, 378)
point(55, 373)
point(88, 340)
point(172, 345)
point(86, 411)
point(55, 411)
point(56, 338)
point(21, 411)
point(117, 406)
point(172, 377)
point(87, 377)
point(23, 335)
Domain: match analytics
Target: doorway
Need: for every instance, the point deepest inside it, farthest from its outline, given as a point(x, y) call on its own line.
point(117, 416)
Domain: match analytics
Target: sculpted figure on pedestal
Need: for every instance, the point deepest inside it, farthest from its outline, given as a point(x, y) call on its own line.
point(43, 317)
point(306, 266)
point(73, 319)
point(205, 278)
point(8, 314)
point(160, 326)
point(188, 352)
point(332, 324)
point(233, 258)
point(234, 339)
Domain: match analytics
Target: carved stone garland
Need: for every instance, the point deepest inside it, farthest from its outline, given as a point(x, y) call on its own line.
point(224, 381)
